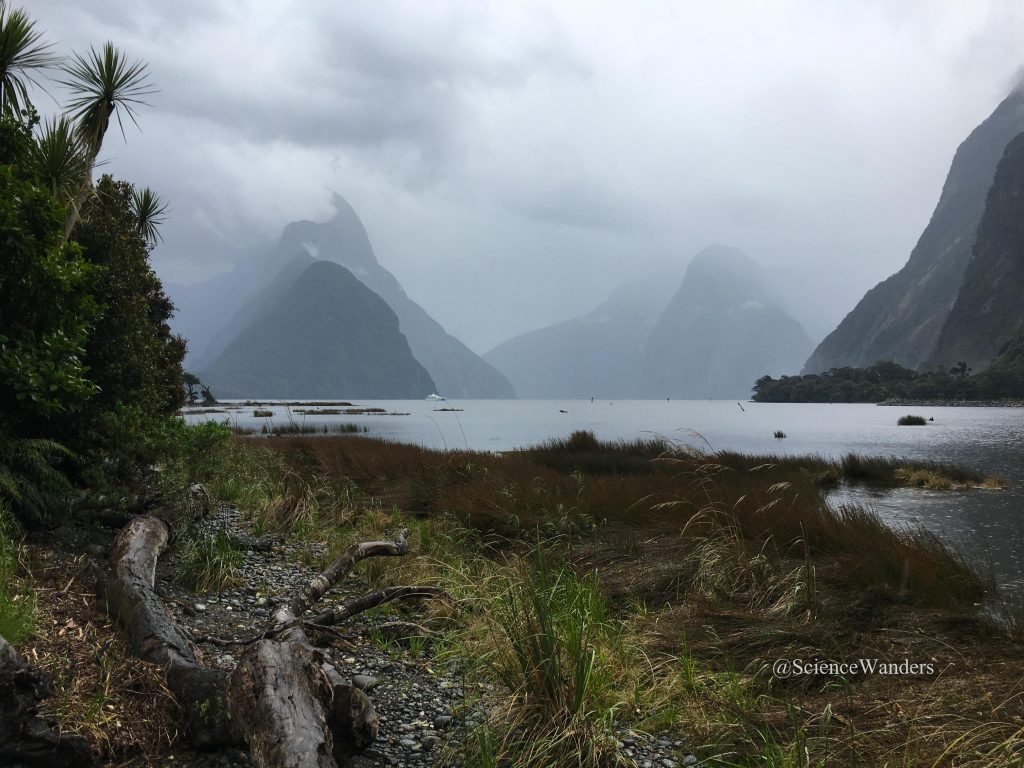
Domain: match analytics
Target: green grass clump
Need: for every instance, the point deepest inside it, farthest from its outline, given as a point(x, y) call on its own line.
point(211, 563)
point(911, 420)
point(552, 647)
point(17, 605)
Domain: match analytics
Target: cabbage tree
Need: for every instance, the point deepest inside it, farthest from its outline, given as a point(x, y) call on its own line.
point(23, 56)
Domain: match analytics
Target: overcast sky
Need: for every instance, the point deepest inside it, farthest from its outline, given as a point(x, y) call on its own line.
point(515, 161)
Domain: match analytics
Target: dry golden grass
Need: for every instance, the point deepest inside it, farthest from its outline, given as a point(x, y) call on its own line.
point(118, 703)
point(711, 566)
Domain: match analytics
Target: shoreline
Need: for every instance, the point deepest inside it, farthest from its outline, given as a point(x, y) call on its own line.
point(923, 403)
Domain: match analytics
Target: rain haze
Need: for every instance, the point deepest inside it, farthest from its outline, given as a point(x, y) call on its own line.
point(515, 162)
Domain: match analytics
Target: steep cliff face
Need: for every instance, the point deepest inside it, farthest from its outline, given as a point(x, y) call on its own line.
point(599, 354)
point(902, 317)
point(326, 336)
point(457, 370)
point(720, 332)
point(989, 308)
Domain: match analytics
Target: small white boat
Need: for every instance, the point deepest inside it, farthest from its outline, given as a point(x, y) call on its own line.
point(434, 396)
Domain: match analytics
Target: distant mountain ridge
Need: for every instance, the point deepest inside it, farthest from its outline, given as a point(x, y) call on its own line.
point(712, 334)
point(325, 336)
point(901, 318)
point(457, 371)
point(720, 332)
point(596, 354)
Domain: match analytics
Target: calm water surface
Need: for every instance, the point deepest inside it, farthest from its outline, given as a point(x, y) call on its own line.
point(988, 526)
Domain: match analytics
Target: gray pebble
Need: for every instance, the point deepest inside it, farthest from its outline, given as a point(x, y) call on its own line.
point(364, 682)
point(431, 741)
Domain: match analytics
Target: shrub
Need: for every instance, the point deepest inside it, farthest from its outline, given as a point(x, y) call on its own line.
point(912, 421)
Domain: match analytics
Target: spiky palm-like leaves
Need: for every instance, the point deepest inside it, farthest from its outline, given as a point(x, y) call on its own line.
point(60, 159)
point(149, 209)
point(22, 54)
point(104, 84)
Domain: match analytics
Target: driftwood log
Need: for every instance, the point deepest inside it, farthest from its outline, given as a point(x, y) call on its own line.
point(284, 700)
point(25, 738)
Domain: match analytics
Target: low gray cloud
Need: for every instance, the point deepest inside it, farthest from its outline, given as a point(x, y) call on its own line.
point(514, 162)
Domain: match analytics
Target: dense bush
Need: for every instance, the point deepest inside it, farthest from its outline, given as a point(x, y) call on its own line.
point(1004, 378)
point(90, 373)
point(46, 302)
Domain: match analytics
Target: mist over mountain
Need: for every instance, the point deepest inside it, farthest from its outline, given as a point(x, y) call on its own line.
point(720, 332)
point(598, 354)
point(204, 308)
point(901, 318)
point(989, 308)
point(712, 334)
point(456, 370)
point(326, 336)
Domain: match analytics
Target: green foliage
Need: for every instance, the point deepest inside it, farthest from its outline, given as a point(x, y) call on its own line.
point(17, 606)
point(31, 478)
point(103, 84)
point(132, 356)
point(1006, 373)
point(1004, 378)
point(60, 159)
point(45, 304)
point(87, 358)
point(23, 55)
point(150, 212)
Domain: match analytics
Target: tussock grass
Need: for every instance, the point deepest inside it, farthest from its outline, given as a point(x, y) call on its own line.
point(551, 635)
point(583, 452)
point(210, 563)
point(911, 420)
point(667, 582)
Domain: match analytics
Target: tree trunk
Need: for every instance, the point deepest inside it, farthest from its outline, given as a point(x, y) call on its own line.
point(283, 699)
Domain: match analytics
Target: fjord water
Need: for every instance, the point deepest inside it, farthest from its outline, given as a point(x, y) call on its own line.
point(987, 526)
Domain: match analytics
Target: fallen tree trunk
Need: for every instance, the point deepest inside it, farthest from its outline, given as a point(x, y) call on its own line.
point(295, 710)
point(284, 699)
point(154, 637)
point(25, 738)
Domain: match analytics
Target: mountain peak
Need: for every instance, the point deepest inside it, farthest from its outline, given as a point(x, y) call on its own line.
point(721, 331)
point(901, 318)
